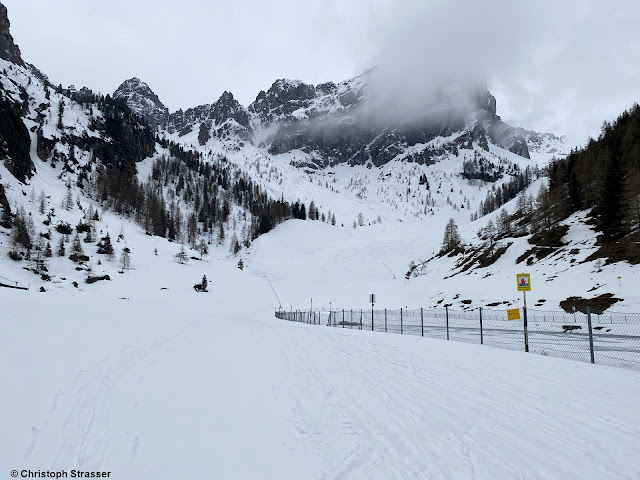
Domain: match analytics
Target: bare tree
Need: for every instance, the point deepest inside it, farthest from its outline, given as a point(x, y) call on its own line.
point(181, 256)
point(203, 248)
point(125, 259)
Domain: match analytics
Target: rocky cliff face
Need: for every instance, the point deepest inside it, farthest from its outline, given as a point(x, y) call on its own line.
point(8, 49)
point(343, 122)
point(281, 100)
point(142, 101)
point(223, 118)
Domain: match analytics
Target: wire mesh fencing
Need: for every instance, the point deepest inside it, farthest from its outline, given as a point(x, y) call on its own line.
point(609, 338)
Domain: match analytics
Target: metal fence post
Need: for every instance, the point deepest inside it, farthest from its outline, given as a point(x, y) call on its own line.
point(372, 317)
point(422, 321)
point(446, 311)
point(526, 331)
point(385, 320)
point(481, 336)
point(360, 319)
point(400, 321)
point(334, 320)
point(593, 360)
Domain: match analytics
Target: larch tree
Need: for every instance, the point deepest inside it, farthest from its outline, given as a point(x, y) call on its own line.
point(451, 239)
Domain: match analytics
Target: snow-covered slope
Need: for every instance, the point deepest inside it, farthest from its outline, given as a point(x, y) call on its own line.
point(143, 377)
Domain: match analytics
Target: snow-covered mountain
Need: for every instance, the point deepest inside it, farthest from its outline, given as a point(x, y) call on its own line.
point(297, 143)
point(114, 365)
point(225, 119)
point(342, 122)
point(142, 101)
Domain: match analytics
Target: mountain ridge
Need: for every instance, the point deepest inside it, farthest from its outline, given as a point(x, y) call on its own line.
point(332, 122)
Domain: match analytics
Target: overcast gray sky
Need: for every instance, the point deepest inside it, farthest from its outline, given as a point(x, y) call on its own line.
point(559, 66)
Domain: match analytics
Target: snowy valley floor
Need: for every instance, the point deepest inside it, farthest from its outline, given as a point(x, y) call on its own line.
point(173, 384)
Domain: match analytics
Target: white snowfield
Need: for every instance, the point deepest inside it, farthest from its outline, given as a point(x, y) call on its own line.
point(162, 384)
point(141, 377)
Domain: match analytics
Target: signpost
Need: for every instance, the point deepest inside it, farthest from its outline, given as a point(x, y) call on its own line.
point(372, 299)
point(524, 286)
point(513, 314)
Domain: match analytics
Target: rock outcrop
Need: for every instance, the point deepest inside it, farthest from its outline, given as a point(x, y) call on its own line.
point(8, 49)
point(223, 118)
point(142, 101)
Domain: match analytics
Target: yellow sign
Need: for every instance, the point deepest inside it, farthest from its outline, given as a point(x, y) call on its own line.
point(524, 282)
point(513, 314)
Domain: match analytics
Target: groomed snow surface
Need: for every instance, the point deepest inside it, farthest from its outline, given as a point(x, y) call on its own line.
point(146, 383)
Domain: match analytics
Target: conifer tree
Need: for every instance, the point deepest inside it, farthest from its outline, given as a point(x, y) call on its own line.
point(235, 245)
point(451, 239)
point(104, 246)
point(490, 231)
point(68, 200)
point(43, 203)
point(221, 234)
point(61, 249)
point(77, 246)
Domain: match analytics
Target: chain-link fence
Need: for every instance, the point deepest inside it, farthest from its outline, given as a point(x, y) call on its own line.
point(609, 338)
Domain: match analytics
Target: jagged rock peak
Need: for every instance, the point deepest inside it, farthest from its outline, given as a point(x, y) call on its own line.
point(8, 49)
point(284, 97)
point(227, 107)
point(142, 101)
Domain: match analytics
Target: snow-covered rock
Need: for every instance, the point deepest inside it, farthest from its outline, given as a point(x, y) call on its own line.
point(142, 101)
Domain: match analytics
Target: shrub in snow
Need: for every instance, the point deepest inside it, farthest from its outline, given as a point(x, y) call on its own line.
point(202, 286)
point(64, 228)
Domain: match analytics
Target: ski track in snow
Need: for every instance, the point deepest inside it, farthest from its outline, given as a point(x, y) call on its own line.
point(240, 394)
point(85, 427)
point(395, 418)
